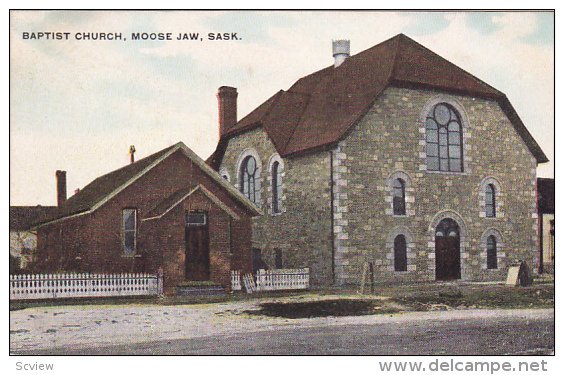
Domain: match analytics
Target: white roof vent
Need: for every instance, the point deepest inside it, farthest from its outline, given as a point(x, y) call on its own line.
point(341, 50)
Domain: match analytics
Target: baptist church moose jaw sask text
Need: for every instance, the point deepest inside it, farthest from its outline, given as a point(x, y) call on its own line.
point(392, 156)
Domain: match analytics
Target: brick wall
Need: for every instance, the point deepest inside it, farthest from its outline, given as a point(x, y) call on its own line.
point(93, 242)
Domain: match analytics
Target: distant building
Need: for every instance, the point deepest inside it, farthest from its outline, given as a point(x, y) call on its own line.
point(545, 190)
point(393, 156)
point(23, 240)
point(167, 211)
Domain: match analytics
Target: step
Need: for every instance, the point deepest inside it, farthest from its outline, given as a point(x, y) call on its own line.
point(200, 290)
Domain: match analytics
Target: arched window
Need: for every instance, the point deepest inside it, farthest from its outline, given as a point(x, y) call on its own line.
point(400, 253)
point(491, 247)
point(443, 130)
point(276, 187)
point(399, 196)
point(248, 178)
point(490, 200)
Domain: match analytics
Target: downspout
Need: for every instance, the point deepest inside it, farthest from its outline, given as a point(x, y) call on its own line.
point(540, 226)
point(332, 184)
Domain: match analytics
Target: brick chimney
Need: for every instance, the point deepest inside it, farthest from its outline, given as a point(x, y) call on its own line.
point(61, 187)
point(227, 105)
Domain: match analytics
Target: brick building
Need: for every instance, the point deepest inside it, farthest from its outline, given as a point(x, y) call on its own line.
point(546, 196)
point(23, 240)
point(169, 210)
point(393, 156)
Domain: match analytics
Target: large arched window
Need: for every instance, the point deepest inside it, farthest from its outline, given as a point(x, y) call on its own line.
point(491, 248)
point(399, 196)
point(490, 200)
point(400, 253)
point(276, 187)
point(248, 177)
point(443, 129)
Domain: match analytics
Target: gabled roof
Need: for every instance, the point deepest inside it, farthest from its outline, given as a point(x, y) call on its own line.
point(24, 217)
point(102, 189)
point(546, 196)
point(167, 204)
point(319, 109)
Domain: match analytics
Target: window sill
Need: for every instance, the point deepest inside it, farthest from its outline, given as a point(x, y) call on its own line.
point(393, 215)
point(448, 173)
point(131, 256)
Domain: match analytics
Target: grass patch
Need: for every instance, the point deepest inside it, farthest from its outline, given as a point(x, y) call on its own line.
point(323, 308)
point(496, 297)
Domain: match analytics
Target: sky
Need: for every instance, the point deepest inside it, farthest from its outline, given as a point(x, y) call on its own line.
point(79, 105)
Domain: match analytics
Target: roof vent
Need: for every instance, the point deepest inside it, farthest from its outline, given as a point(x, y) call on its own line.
point(341, 50)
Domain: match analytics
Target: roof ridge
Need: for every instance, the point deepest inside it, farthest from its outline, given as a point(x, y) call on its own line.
point(419, 45)
point(136, 162)
point(297, 123)
point(276, 99)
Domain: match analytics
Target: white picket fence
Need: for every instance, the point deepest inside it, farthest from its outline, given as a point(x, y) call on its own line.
point(70, 285)
point(236, 280)
point(267, 280)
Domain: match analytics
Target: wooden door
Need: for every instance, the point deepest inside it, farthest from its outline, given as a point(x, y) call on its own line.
point(197, 247)
point(447, 250)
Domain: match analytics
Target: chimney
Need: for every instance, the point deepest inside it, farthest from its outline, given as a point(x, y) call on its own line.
point(132, 154)
point(227, 105)
point(341, 50)
point(61, 187)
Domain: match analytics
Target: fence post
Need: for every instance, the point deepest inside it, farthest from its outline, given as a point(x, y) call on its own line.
point(160, 282)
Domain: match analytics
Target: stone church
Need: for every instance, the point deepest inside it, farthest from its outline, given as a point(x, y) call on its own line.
point(392, 156)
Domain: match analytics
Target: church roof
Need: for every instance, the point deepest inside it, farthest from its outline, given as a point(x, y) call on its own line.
point(319, 109)
point(103, 188)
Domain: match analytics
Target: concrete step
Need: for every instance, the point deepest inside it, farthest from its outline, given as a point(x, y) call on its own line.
point(200, 290)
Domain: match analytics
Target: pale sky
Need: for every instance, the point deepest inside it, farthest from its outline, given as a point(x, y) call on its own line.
point(78, 105)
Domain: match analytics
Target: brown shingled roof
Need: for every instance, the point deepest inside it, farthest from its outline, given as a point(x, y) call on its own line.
point(319, 109)
point(98, 189)
point(103, 188)
point(24, 217)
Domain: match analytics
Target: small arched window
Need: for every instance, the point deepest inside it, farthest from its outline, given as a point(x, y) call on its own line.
point(399, 196)
point(276, 187)
point(491, 246)
point(400, 253)
point(248, 178)
point(490, 200)
point(443, 130)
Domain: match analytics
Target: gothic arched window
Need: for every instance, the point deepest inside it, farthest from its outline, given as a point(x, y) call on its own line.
point(443, 130)
point(248, 178)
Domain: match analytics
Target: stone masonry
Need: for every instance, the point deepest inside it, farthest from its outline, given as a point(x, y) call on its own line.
point(302, 231)
point(387, 143)
point(390, 141)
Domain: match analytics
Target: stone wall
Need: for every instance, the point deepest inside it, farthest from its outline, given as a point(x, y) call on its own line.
point(390, 141)
point(302, 231)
